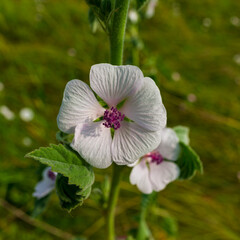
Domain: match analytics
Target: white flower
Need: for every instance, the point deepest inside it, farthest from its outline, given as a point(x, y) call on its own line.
point(132, 139)
point(7, 113)
point(133, 16)
point(26, 114)
point(207, 22)
point(151, 8)
point(44, 187)
point(156, 169)
point(235, 21)
point(176, 76)
point(27, 141)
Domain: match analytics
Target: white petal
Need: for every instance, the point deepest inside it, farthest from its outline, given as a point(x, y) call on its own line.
point(93, 142)
point(146, 107)
point(169, 147)
point(131, 141)
point(140, 176)
point(162, 174)
point(44, 187)
point(79, 105)
point(115, 83)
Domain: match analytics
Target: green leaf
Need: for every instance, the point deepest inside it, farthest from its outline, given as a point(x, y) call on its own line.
point(182, 133)
point(70, 195)
point(141, 3)
point(188, 162)
point(62, 159)
point(40, 205)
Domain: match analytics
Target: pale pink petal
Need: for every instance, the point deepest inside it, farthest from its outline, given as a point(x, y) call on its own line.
point(44, 187)
point(140, 176)
point(115, 83)
point(162, 174)
point(146, 107)
point(131, 141)
point(93, 142)
point(169, 147)
point(79, 105)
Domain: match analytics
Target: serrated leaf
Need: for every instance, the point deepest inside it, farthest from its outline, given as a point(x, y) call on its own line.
point(182, 133)
point(62, 159)
point(40, 205)
point(188, 162)
point(141, 3)
point(70, 195)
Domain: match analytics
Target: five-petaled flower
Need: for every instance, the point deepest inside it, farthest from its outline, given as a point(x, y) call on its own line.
point(47, 184)
point(156, 169)
point(137, 123)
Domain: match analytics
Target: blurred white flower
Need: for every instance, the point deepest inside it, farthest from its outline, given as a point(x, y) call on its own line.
point(207, 22)
point(176, 9)
point(7, 113)
point(133, 16)
point(236, 59)
point(176, 76)
point(1, 86)
point(26, 114)
point(191, 97)
point(235, 21)
point(151, 8)
point(72, 52)
point(153, 172)
point(46, 185)
point(27, 141)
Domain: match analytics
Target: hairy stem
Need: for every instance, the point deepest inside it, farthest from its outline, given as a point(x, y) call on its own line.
point(117, 32)
point(115, 187)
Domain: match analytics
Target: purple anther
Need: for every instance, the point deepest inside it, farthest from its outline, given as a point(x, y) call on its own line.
point(51, 175)
point(156, 157)
point(113, 118)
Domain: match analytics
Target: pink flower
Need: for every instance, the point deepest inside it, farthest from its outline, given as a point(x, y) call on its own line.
point(156, 169)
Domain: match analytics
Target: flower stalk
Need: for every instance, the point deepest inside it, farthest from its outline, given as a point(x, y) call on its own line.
point(114, 192)
point(117, 33)
point(116, 38)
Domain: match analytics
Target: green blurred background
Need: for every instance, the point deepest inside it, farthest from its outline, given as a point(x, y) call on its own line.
point(191, 49)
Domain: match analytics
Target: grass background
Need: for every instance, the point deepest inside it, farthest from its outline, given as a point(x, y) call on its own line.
point(37, 39)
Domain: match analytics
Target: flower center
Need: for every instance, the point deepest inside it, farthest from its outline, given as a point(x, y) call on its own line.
point(51, 175)
point(155, 157)
point(113, 118)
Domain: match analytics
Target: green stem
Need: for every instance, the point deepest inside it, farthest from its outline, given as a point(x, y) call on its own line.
point(115, 187)
point(116, 37)
point(117, 33)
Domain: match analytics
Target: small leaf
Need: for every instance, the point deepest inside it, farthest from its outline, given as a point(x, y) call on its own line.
point(141, 3)
point(40, 205)
point(62, 159)
point(70, 195)
point(188, 162)
point(182, 133)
